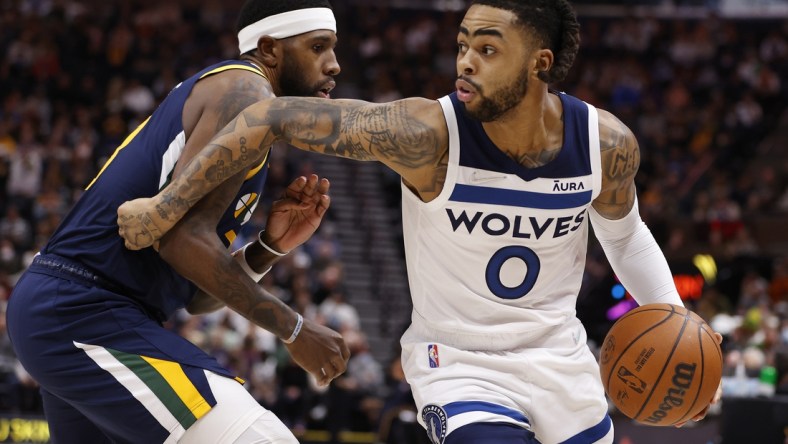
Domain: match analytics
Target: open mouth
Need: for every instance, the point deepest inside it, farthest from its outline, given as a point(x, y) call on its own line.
point(325, 91)
point(465, 91)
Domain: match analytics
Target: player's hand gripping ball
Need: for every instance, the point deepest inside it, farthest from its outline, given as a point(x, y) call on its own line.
point(660, 364)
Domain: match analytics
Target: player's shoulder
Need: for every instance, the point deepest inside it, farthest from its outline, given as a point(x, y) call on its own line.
point(229, 89)
point(236, 79)
point(419, 103)
point(613, 133)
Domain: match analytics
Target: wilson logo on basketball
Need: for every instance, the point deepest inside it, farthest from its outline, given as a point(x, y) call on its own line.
point(682, 380)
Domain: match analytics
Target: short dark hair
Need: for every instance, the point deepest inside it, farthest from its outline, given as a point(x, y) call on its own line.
point(255, 10)
point(555, 26)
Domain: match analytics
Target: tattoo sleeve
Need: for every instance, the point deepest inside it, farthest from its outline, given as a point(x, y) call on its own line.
point(398, 134)
point(263, 309)
point(196, 252)
point(620, 162)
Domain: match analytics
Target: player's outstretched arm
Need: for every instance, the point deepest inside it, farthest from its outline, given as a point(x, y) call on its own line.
point(409, 136)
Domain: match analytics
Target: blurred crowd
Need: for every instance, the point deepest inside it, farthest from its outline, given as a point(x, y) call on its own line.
point(704, 97)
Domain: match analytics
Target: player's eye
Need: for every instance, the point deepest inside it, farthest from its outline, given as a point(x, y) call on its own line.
point(462, 47)
point(488, 50)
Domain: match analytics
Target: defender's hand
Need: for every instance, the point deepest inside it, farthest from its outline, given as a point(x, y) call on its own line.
point(320, 351)
point(295, 218)
point(139, 223)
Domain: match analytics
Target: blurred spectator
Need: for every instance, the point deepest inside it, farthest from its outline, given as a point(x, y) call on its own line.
point(8, 362)
point(778, 287)
point(26, 171)
point(338, 314)
point(16, 229)
point(329, 281)
point(397, 423)
point(355, 399)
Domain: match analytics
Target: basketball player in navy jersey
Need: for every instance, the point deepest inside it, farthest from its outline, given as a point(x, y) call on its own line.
point(85, 319)
point(499, 181)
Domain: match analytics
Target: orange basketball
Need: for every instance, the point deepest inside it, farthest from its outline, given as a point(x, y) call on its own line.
point(660, 364)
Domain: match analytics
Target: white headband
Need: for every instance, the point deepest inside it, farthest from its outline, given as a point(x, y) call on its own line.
point(286, 24)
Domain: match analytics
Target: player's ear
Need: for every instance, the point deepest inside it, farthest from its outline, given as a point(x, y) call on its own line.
point(269, 51)
point(544, 60)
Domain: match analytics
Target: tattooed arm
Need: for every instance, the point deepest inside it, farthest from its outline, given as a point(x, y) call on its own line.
point(194, 250)
point(629, 246)
point(620, 162)
point(409, 136)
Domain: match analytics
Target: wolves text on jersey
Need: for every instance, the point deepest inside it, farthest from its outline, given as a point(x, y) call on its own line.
point(520, 226)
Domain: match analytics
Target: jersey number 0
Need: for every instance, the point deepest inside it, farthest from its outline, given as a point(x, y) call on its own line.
point(493, 272)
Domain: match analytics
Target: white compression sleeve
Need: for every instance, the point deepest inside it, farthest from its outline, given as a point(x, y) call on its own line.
point(636, 258)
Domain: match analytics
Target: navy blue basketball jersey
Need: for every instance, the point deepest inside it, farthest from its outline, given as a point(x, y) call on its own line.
point(140, 167)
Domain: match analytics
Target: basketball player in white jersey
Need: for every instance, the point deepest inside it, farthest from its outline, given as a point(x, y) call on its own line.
point(499, 181)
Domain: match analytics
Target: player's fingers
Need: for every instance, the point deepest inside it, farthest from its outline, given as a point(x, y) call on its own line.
point(340, 365)
point(718, 337)
point(295, 187)
point(323, 186)
point(330, 371)
point(326, 375)
point(344, 351)
point(717, 395)
point(289, 205)
point(323, 205)
point(310, 186)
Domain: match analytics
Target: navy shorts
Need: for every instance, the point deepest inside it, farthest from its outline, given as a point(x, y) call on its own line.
point(491, 433)
point(104, 365)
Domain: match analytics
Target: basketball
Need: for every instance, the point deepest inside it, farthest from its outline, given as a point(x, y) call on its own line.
point(660, 364)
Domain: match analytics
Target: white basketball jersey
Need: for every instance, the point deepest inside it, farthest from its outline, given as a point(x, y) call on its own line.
point(497, 259)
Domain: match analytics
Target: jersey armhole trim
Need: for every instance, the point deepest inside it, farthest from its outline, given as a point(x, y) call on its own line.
point(454, 160)
point(594, 149)
point(234, 66)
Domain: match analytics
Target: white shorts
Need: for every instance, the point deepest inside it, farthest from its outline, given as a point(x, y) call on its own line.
point(552, 387)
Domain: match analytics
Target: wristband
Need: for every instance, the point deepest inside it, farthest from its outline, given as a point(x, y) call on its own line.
point(296, 330)
point(260, 239)
point(240, 257)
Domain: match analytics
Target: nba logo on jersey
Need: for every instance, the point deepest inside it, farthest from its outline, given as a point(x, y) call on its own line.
point(432, 352)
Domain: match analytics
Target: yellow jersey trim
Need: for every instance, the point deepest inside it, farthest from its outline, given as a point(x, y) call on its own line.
point(128, 140)
point(228, 67)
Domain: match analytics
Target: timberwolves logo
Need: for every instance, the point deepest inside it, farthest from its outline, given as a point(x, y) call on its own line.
point(245, 207)
point(434, 418)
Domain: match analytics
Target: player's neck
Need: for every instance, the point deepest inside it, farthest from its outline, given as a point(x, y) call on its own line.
point(530, 127)
point(270, 74)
